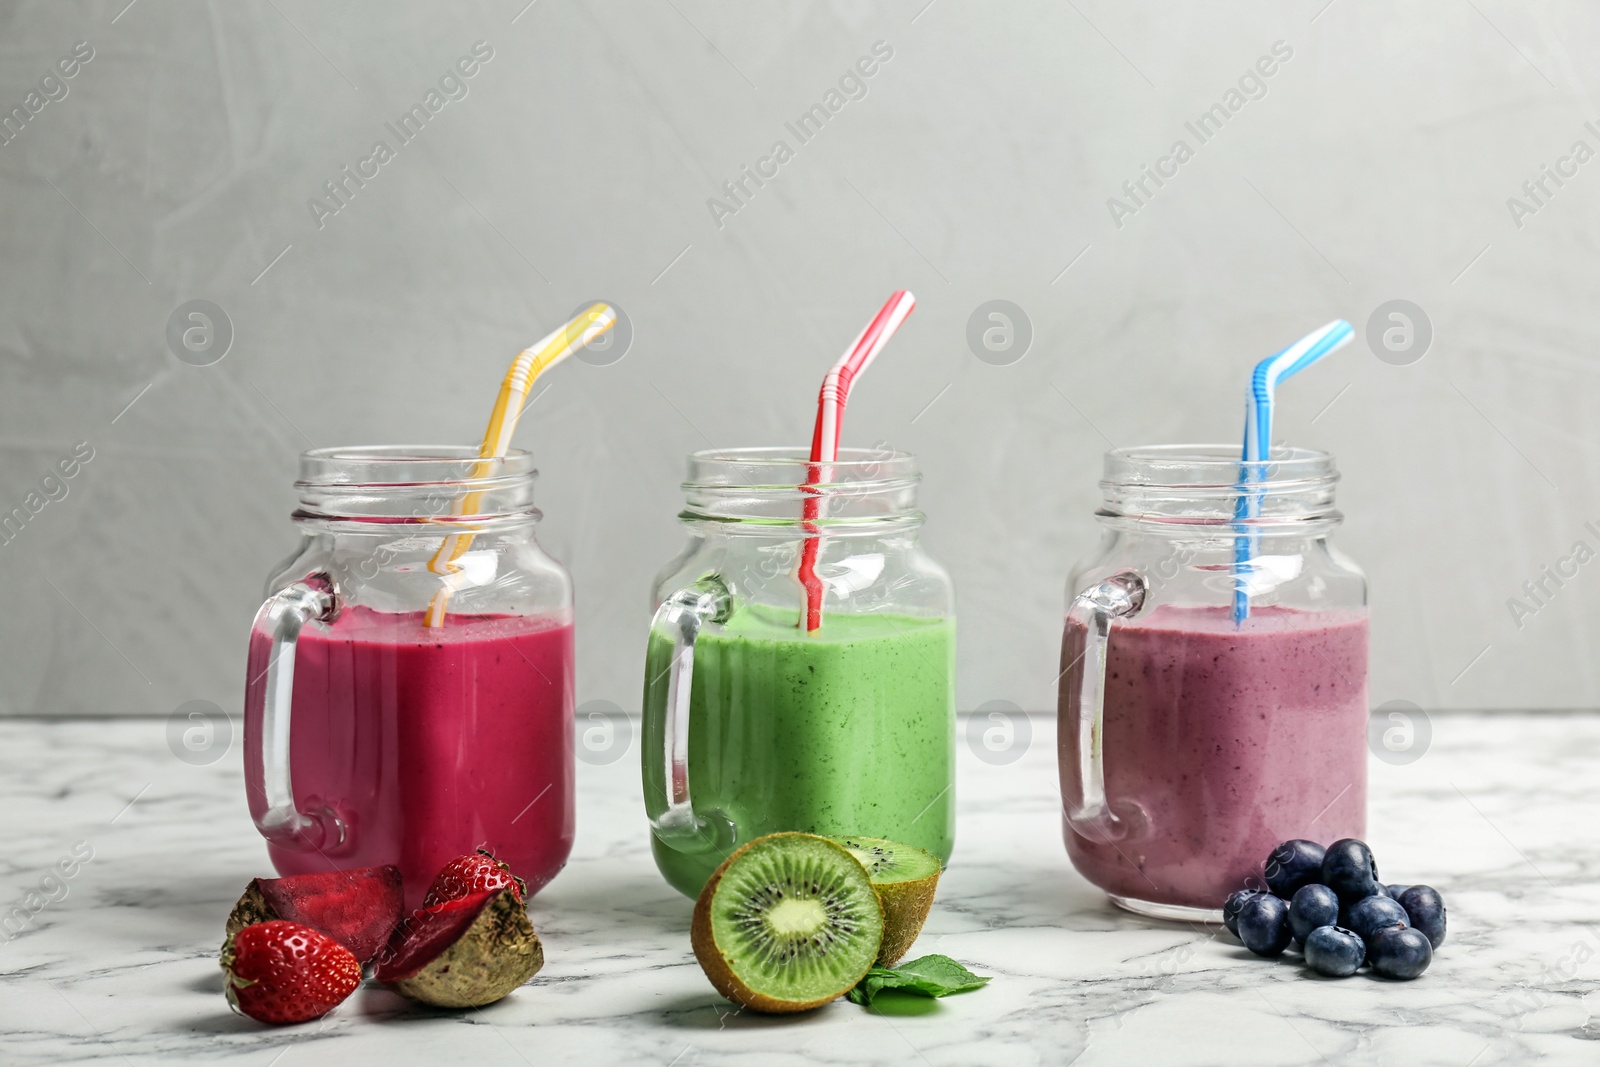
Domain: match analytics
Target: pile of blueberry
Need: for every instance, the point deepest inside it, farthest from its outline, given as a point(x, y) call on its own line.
point(1331, 903)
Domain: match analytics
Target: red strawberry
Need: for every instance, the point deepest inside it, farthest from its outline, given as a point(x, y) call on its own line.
point(477, 873)
point(281, 972)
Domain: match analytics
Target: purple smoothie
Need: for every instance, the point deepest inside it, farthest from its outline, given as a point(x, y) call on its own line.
point(1220, 742)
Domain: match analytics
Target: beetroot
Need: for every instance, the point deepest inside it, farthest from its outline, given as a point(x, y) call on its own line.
point(357, 908)
point(463, 953)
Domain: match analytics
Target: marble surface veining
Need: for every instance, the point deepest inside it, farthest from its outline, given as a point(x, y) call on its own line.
point(117, 963)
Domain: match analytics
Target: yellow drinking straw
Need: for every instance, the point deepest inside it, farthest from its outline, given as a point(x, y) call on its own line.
point(529, 364)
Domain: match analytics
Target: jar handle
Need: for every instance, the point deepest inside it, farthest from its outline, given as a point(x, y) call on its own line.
point(281, 618)
point(1120, 596)
point(681, 618)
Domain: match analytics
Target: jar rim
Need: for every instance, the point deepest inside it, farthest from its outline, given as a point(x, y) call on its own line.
point(773, 486)
point(362, 486)
point(767, 457)
point(1196, 485)
point(411, 465)
point(1213, 466)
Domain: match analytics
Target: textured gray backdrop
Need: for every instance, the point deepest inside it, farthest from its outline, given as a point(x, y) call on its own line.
point(1375, 163)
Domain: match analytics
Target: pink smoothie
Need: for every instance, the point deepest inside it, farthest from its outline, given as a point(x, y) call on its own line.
point(1221, 742)
point(427, 743)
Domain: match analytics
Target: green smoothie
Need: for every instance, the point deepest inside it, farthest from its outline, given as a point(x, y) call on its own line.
point(849, 730)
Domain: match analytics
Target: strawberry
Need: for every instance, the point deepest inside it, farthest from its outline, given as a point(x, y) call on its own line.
point(477, 873)
point(281, 972)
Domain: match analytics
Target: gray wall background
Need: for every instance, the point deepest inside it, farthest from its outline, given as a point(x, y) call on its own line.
point(1377, 166)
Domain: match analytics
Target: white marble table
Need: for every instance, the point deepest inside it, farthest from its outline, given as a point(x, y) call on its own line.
point(1500, 814)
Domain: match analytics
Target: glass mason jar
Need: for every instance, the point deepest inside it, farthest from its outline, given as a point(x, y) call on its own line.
point(754, 725)
point(376, 734)
point(1193, 740)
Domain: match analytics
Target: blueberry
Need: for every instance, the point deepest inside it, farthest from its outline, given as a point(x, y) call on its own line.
point(1334, 951)
point(1399, 952)
point(1393, 891)
point(1349, 870)
point(1425, 908)
point(1293, 864)
point(1345, 921)
point(1370, 914)
point(1231, 906)
point(1313, 906)
point(1264, 925)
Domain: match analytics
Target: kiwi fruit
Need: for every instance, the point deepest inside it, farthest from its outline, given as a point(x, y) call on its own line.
point(905, 878)
point(788, 923)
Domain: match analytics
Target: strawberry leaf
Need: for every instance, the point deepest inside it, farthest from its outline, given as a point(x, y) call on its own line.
point(929, 976)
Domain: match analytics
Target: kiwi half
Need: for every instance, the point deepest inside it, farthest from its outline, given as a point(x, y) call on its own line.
point(787, 923)
point(905, 877)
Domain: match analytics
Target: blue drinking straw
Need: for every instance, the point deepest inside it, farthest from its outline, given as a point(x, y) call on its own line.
point(1258, 439)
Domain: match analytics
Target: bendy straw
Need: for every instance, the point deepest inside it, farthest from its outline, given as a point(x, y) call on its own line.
point(1258, 442)
point(529, 364)
point(825, 437)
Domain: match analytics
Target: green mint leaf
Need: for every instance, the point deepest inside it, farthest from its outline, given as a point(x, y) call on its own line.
point(929, 976)
point(943, 971)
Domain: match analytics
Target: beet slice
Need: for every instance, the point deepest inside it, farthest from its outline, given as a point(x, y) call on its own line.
point(463, 953)
point(358, 908)
point(427, 932)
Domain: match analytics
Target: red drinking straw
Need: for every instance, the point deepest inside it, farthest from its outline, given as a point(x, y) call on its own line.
point(825, 438)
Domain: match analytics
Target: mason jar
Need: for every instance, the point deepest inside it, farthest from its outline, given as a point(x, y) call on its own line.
point(753, 721)
point(1213, 686)
point(409, 685)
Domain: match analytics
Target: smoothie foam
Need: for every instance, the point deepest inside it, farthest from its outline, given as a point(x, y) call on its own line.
point(848, 730)
point(1221, 742)
point(428, 742)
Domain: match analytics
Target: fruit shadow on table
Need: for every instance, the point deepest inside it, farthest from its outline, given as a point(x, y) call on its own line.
point(709, 1011)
